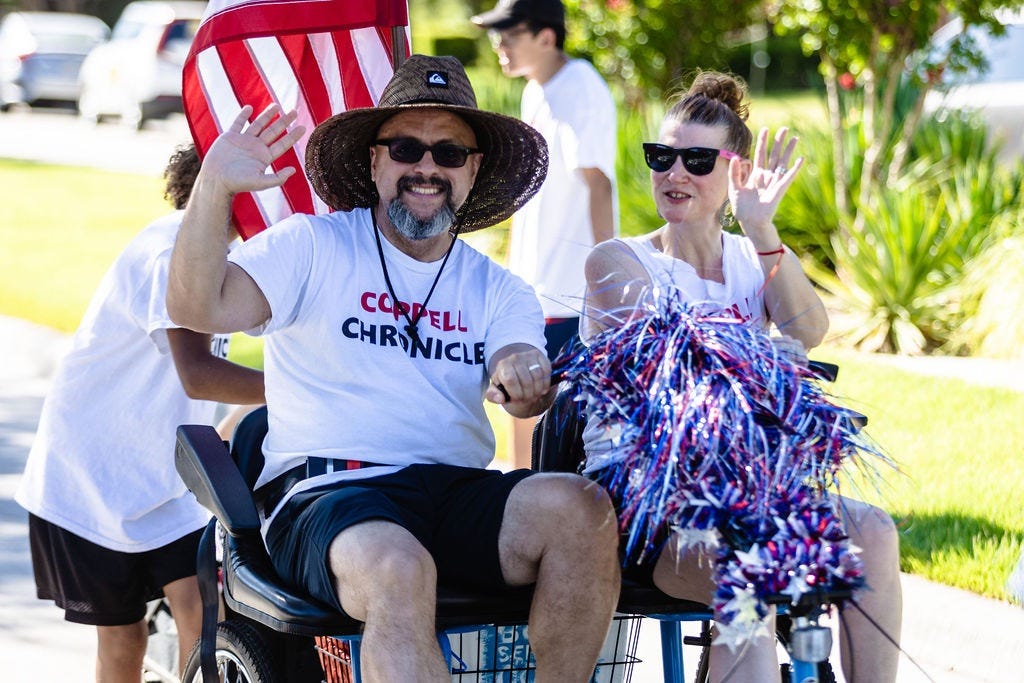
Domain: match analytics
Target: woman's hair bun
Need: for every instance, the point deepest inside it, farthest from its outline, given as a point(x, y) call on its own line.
point(728, 89)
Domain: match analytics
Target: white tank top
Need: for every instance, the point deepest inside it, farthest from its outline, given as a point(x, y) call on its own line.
point(741, 294)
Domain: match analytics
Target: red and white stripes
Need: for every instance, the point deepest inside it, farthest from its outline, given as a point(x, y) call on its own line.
point(318, 57)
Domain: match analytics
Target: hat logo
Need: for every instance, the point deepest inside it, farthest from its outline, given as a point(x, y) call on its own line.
point(437, 78)
point(337, 158)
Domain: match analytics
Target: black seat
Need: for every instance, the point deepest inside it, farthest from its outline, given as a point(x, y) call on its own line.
point(251, 585)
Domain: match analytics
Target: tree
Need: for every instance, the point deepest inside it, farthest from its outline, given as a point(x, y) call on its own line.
point(647, 46)
point(913, 197)
point(866, 46)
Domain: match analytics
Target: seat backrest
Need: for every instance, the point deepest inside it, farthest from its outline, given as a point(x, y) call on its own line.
point(247, 445)
point(558, 435)
point(205, 465)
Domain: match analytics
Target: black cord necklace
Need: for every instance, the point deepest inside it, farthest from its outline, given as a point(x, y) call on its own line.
point(410, 327)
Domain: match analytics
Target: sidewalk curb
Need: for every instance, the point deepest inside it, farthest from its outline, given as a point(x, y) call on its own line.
point(29, 351)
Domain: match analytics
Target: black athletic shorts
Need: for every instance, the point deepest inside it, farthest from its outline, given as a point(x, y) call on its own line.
point(455, 512)
point(99, 586)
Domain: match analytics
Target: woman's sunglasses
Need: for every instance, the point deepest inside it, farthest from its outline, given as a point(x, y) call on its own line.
point(696, 160)
point(411, 150)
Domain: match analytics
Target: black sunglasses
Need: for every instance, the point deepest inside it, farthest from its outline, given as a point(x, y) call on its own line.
point(696, 160)
point(411, 150)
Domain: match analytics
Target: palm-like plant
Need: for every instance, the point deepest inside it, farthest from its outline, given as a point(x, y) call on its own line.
point(895, 272)
point(893, 275)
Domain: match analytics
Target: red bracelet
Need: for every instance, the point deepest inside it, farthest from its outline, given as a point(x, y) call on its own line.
point(773, 252)
point(773, 272)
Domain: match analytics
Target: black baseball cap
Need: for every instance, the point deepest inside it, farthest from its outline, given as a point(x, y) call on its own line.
point(510, 12)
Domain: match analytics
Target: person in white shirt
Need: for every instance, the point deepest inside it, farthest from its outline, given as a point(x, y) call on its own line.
point(701, 172)
point(111, 525)
point(384, 334)
point(569, 103)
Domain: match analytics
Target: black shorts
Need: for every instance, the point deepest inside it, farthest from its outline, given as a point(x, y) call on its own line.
point(100, 586)
point(455, 512)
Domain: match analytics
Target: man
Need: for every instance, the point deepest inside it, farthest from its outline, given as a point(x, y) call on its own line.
point(382, 330)
point(567, 101)
point(111, 525)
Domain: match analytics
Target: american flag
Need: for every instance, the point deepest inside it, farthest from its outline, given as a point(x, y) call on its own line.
point(318, 57)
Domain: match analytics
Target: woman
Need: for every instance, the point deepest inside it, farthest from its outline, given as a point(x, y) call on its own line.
point(701, 172)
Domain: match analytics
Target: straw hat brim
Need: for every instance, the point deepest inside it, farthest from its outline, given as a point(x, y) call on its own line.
point(514, 164)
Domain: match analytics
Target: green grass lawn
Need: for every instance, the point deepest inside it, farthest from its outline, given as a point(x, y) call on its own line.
point(959, 446)
point(60, 228)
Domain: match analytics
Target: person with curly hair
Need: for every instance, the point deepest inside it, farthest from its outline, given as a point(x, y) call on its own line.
point(111, 525)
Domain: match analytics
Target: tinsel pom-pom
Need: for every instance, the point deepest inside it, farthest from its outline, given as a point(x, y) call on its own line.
point(709, 429)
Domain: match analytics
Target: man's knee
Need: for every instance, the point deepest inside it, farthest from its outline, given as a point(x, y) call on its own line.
point(569, 501)
point(559, 521)
point(408, 567)
point(560, 511)
point(381, 563)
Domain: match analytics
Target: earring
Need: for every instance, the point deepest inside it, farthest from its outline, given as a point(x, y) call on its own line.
point(725, 215)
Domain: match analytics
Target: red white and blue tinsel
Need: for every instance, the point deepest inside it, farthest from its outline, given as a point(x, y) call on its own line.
point(713, 432)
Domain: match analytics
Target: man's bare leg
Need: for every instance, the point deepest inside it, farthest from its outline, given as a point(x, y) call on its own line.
point(385, 578)
point(866, 653)
point(559, 530)
point(120, 651)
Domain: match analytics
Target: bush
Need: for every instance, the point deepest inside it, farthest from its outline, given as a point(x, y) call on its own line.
point(637, 214)
point(463, 48)
point(992, 295)
point(787, 68)
point(494, 90)
point(891, 277)
point(896, 273)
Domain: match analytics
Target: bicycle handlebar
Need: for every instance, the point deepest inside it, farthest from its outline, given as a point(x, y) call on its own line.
point(823, 370)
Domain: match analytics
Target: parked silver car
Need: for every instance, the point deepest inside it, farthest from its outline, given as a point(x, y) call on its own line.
point(997, 93)
point(136, 76)
point(41, 54)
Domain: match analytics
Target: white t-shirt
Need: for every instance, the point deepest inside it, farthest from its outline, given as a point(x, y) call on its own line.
point(343, 380)
point(102, 463)
point(740, 296)
point(552, 234)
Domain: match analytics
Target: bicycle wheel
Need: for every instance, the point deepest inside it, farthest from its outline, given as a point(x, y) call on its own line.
point(242, 657)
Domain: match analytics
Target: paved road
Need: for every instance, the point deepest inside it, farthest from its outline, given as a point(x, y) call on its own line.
point(58, 136)
point(957, 637)
point(35, 643)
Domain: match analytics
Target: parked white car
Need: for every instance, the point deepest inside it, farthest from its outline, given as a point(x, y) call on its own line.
point(41, 54)
point(996, 94)
point(136, 76)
